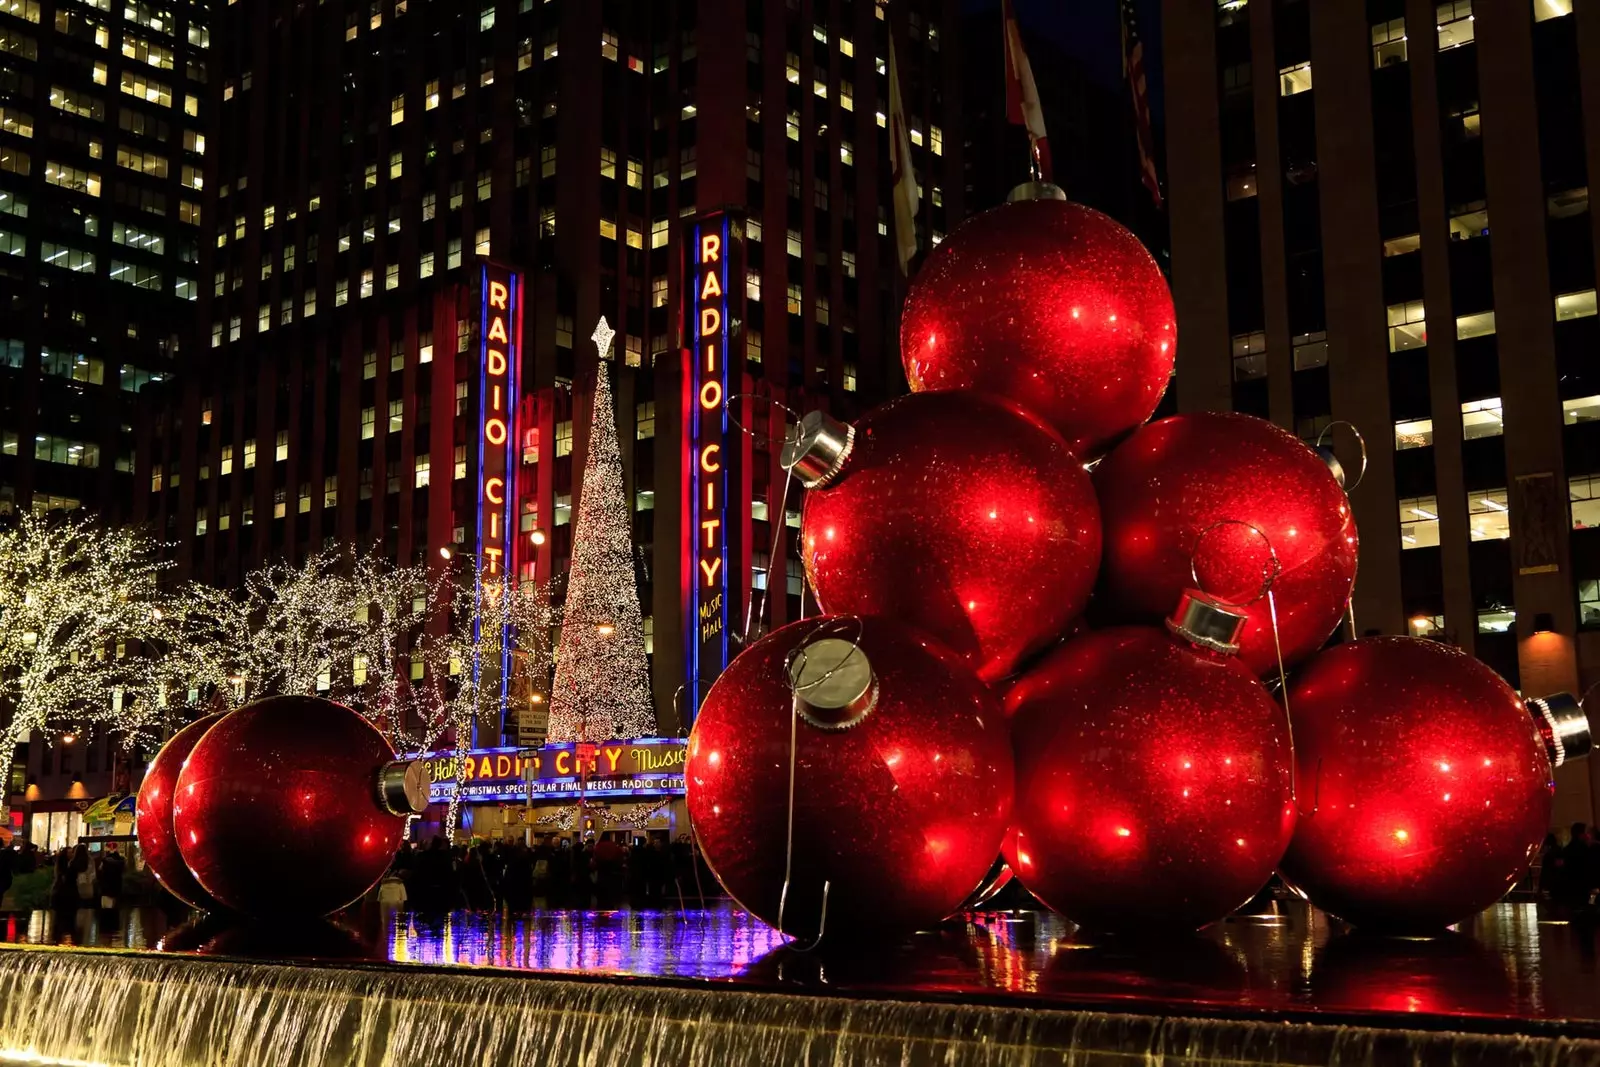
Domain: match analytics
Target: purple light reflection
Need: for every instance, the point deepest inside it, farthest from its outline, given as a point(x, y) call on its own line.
point(702, 943)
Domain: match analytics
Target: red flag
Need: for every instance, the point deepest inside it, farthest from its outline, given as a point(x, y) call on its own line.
point(1133, 70)
point(1022, 96)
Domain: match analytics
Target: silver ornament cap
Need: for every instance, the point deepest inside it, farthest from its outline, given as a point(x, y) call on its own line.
point(1036, 191)
point(1207, 623)
point(403, 787)
point(819, 450)
point(833, 683)
point(1563, 725)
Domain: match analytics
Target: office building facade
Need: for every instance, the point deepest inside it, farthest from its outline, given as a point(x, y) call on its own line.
point(371, 158)
point(1380, 215)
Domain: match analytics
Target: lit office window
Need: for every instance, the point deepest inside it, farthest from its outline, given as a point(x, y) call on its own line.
point(1478, 324)
point(1415, 433)
point(1583, 494)
point(1295, 79)
point(1489, 515)
point(1550, 9)
point(1407, 326)
point(1497, 620)
point(1403, 245)
point(1388, 43)
point(1469, 221)
point(1311, 350)
point(1482, 418)
point(1455, 26)
point(1419, 522)
point(1580, 409)
point(1589, 603)
point(1579, 305)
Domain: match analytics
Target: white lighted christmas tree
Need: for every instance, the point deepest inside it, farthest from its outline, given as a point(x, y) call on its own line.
point(602, 683)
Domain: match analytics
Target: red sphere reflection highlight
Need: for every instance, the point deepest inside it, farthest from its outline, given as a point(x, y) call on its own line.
point(902, 814)
point(1165, 491)
point(276, 810)
point(961, 515)
point(1153, 782)
point(153, 815)
point(1431, 786)
point(1050, 304)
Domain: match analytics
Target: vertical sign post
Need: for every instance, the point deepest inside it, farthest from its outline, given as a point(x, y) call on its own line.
point(713, 284)
point(499, 350)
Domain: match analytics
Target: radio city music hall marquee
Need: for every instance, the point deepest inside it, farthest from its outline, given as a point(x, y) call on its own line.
point(499, 349)
point(643, 767)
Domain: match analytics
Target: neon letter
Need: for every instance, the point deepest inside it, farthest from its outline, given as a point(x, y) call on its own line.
point(710, 527)
point(711, 357)
point(494, 431)
point(710, 248)
point(496, 363)
point(708, 458)
point(710, 321)
point(561, 762)
point(493, 486)
point(710, 287)
point(711, 395)
point(709, 568)
point(494, 524)
point(497, 295)
point(494, 555)
point(497, 329)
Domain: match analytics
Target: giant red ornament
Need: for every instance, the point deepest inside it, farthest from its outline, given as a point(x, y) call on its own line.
point(954, 512)
point(1426, 783)
point(1192, 487)
point(1053, 305)
point(292, 805)
point(153, 816)
point(1153, 782)
point(902, 778)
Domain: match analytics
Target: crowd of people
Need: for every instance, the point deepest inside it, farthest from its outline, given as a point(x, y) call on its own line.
point(1569, 873)
point(78, 879)
point(552, 872)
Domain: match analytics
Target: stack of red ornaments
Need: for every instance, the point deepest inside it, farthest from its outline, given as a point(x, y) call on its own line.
point(844, 774)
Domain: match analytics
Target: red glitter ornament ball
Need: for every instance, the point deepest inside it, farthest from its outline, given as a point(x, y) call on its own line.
point(902, 778)
point(959, 514)
point(1050, 304)
point(1203, 480)
point(1153, 782)
point(278, 808)
point(153, 816)
point(1426, 788)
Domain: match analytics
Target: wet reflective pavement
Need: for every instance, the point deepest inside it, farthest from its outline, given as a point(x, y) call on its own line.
point(1517, 966)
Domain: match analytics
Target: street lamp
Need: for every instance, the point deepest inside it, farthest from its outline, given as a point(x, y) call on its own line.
point(537, 537)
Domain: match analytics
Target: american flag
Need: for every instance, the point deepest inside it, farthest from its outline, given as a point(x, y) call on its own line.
point(1133, 70)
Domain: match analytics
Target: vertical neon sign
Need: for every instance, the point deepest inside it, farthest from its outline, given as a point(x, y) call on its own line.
point(499, 350)
point(712, 261)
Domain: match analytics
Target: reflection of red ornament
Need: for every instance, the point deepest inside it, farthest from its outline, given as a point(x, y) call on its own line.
point(1217, 475)
point(954, 512)
point(292, 805)
point(1430, 783)
point(1053, 305)
point(1153, 781)
point(153, 816)
point(902, 781)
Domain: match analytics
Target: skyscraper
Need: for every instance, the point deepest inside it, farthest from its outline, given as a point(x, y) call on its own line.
point(102, 154)
point(1381, 215)
point(379, 167)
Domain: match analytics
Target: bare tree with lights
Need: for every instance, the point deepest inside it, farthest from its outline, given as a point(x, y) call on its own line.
point(81, 617)
point(602, 682)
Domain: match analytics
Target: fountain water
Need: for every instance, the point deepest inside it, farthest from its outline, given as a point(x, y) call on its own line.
point(111, 1009)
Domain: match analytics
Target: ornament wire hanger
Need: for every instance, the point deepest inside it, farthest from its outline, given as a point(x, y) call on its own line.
point(1269, 574)
point(819, 631)
point(755, 618)
point(1327, 453)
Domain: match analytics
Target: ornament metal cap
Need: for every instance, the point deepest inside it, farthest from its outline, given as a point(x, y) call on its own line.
point(819, 450)
point(1036, 191)
point(1204, 621)
point(1563, 725)
point(833, 683)
point(403, 787)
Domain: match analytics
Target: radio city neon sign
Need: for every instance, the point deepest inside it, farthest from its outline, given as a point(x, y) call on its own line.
point(502, 314)
point(712, 258)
